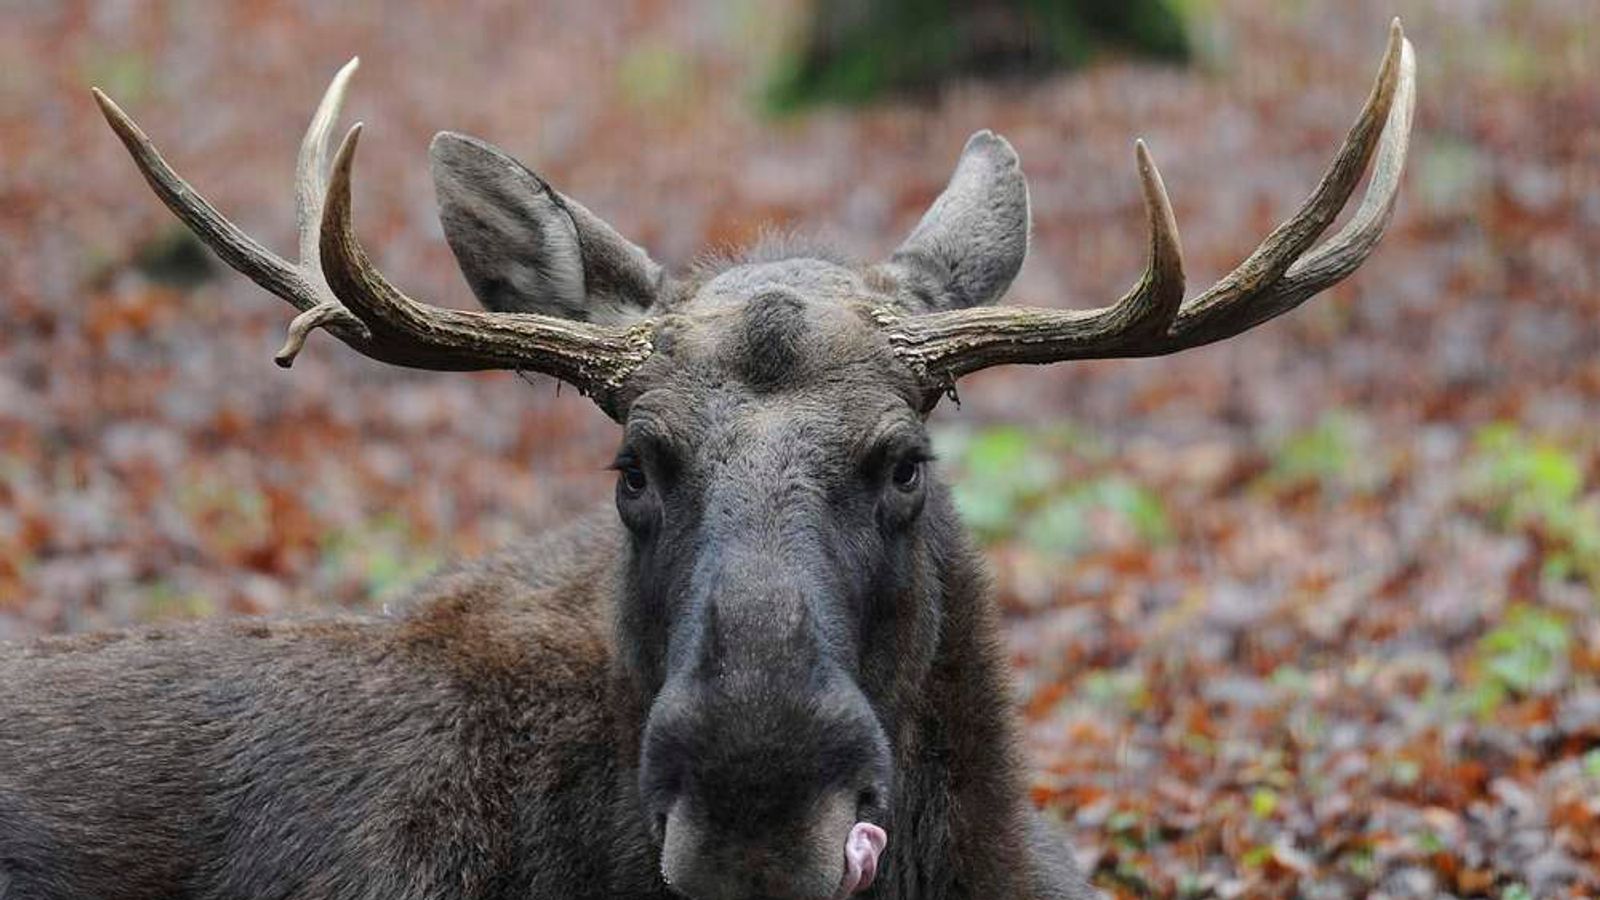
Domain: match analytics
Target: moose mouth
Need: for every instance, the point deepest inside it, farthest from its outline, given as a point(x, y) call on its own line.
point(726, 867)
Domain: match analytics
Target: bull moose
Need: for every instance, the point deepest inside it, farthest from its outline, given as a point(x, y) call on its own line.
point(774, 671)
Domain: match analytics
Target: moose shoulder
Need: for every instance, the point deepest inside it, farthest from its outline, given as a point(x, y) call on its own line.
point(772, 671)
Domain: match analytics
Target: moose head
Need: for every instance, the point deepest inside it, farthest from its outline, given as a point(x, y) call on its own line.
point(780, 587)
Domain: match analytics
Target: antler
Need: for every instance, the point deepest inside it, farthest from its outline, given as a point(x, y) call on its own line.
point(301, 284)
point(335, 286)
point(1152, 319)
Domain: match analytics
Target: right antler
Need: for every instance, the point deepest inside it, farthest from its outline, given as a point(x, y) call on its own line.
point(335, 287)
point(1152, 319)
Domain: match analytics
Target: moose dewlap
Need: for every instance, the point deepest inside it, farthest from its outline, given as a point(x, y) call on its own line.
point(773, 670)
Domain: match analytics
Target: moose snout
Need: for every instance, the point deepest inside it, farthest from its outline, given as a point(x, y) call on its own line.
point(829, 855)
point(782, 795)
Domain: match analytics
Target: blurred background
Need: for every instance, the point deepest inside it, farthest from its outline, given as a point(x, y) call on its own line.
point(1314, 612)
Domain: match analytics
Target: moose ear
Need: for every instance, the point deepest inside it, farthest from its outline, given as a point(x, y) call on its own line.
point(971, 242)
point(524, 247)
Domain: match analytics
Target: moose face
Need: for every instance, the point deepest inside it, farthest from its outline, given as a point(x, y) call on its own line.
point(774, 477)
point(781, 596)
point(774, 480)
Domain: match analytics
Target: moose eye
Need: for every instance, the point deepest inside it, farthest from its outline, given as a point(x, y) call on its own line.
point(631, 479)
point(907, 474)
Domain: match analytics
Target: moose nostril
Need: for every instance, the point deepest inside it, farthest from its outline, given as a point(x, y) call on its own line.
point(867, 799)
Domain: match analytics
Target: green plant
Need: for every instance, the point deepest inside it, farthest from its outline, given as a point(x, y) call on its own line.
point(1000, 471)
point(654, 74)
point(1009, 486)
point(1121, 689)
point(1333, 455)
point(383, 553)
point(161, 600)
point(1526, 654)
point(1063, 523)
point(1536, 485)
point(1526, 478)
point(1263, 802)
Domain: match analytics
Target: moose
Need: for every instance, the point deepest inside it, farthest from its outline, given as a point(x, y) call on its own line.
point(775, 670)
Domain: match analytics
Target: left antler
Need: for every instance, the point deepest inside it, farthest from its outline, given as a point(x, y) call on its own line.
point(299, 283)
point(337, 288)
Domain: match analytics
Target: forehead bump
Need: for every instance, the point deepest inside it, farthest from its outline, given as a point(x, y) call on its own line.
point(775, 328)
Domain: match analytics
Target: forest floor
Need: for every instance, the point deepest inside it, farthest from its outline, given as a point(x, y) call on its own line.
point(1312, 613)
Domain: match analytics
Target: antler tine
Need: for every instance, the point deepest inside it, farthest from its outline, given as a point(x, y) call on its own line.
point(1238, 301)
point(311, 167)
point(594, 358)
point(1151, 320)
point(1290, 240)
point(1150, 308)
point(300, 284)
point(1341, 254)
point(235, 247)
point(310, 186)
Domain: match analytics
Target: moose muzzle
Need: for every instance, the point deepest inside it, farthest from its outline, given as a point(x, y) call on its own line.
point(831, 857)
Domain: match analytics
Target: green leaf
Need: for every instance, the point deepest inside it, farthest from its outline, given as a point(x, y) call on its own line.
point(654, 74)
point(1528, 652)
point(1141, 508)
point(1061, 527)
point(1257, 856)
point(1263, 802)
point(998, 472)
point(1335, 455)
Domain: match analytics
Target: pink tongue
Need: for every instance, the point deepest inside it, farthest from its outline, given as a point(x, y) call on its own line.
point(861, 852)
